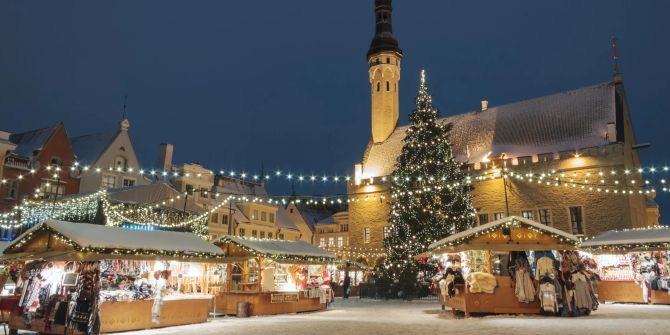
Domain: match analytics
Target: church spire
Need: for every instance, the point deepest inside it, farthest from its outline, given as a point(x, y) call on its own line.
point(384, 40)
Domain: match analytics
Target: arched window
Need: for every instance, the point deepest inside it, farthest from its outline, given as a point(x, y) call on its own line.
point(388, 60)
point(121, 162)
point(56, 161)
point(378, 86)
point(388, 86)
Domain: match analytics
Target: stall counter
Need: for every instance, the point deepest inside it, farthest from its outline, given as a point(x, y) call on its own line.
point(268, 303)
point(134, 315)
point(502, 301)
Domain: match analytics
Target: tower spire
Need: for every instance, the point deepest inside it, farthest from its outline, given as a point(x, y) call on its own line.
point(384, 40)
point(384, 58)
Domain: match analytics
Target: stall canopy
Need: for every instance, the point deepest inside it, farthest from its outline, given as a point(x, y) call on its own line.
point(66, 240)
point(629, 240)
point(281, 251)
point(343, 264)
point(512, 233)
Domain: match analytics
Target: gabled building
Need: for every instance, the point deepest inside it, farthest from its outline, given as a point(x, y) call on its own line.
point(248, 212)
point(37, 165)
point(308, 217)
point(107, 160)
point(583, 137)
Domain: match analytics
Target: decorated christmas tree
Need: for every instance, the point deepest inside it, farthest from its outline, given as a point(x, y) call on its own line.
point(430, 196)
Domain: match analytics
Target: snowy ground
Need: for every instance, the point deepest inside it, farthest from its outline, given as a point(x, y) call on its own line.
point(425, 317)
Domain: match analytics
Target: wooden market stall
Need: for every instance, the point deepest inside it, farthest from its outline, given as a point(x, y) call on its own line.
point(142, 279)
point(501, 236)
point(357, 275)
point(271, 276)
point(628, 261)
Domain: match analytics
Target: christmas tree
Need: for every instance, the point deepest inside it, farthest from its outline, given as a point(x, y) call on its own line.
point(430, 196)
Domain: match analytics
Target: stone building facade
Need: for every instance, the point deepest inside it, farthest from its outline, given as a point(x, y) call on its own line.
point(245, 215)
point(567, 157)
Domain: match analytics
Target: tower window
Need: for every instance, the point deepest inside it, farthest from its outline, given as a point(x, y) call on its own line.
point(388, 86)
point(388, 60)
point(378, 86)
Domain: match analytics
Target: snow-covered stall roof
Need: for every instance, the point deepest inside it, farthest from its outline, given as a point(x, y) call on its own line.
point(277, 250)
point(115, 240)
point(461, 241)
point(3, 246)
point(565, 121)
point(641, 239)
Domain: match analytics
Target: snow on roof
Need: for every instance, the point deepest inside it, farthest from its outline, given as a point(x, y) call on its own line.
point(33, 140)
point(146, 194)
point(565, 121)
point(3, 246)
point(237, 186)
point(88, 148)
point(656, 235)
point(328, 220)
point(107, 237)
point(279, 247)
point(314, 215)
point(283, 220)
point(500, 222)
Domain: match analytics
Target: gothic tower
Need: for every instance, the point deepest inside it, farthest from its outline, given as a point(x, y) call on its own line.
point(384, 58)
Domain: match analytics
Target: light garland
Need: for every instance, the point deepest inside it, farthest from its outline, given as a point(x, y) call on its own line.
point(113, 251)
point(512, 223)
point(275, 257)
point(283, 175)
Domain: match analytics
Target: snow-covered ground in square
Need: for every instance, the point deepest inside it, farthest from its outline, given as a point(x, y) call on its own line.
point(425, 317)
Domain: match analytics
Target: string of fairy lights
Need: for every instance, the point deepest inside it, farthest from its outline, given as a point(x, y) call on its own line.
point(279, 174)
point(597, 181)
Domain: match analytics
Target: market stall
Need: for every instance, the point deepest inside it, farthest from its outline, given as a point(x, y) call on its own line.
point(357, 272)
point(632, 265)
point(500, 267)
point(84, 278)
point(271, 276)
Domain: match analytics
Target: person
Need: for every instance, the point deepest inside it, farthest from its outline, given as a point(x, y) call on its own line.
point(346, 284)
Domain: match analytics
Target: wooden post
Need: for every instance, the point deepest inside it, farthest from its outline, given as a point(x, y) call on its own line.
point(260, 273)
point(490, 262)
point(205, 279)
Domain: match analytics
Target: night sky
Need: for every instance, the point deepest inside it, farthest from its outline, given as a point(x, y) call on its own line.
point(240, 84)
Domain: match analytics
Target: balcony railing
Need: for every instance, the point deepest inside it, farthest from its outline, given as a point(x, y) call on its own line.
point(17, 163)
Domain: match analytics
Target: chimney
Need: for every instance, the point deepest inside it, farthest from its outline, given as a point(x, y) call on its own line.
point(165, 156)
point(4, 135)
point(485, 104)
point(611, 132)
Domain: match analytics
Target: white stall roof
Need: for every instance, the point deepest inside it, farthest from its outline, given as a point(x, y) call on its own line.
point(107, 237)
point(279, 247)
point(644, 238)
point(474, 231)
